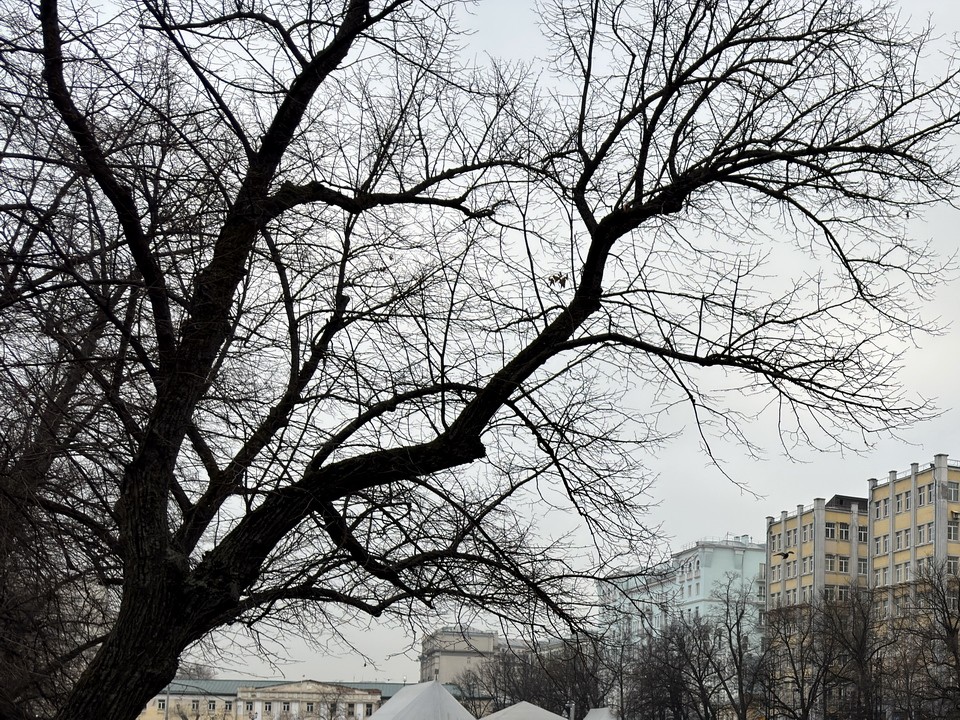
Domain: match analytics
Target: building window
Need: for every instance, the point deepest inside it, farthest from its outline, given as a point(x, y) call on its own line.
point(876, 545)
point(885, 575)
point(886, 543)
point(921, 496)
point(368, 709)
point(953, 492)
point(861, 566)
point(899, 501)
point(906, 500)
point(268, 707)
point(228, 705)
point(805, 534)
point(211, 704)
point(862, 532)
point(952, 564)
point(886, 507)
point(332, 710)
point(906, 538)
point(931, 498)
point(876, 510)
point(831, 531)
point(286, 706)
point(309, 707)
point(194, 704)
point(248, 706)
point(930, 532)
point(843, 592)
point(920, 529)
point(844, 531)
point(162, 704)
point(843, 564)
point(831, 563)
point(898, 542)
point(953, 530)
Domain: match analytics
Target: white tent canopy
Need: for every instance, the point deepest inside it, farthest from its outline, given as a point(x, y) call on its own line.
point(524, 711)
point(603, 713)
point(426, 701)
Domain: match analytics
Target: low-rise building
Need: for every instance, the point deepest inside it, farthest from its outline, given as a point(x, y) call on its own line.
point(260, 700)
point(449, 651)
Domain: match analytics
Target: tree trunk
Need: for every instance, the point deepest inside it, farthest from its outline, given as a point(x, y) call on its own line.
point(136, 661)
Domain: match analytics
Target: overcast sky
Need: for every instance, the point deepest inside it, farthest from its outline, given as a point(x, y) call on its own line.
point(694, 499)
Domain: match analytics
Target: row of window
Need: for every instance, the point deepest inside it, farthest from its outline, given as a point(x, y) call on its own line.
point(805, 594)
point(925, 496)
point(195, 705)
point(267, 707)
point(832, 563)
point(902, 538)
point(832, 531)
point(901, 571)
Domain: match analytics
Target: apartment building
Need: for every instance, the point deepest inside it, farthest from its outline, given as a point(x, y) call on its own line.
point(909, 521)
point(915, 522)
point(687, 585)
point(819, 551)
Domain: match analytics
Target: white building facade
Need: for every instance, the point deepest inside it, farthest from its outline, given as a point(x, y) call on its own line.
point(693, 583)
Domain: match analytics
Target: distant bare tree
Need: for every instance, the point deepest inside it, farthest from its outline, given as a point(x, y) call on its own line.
point(801, 658)
point(195, 671)
point(552, 677)
point(740, 659)
point(656, 688)
point(301, 315)
point(930, 634)
point(864, 639)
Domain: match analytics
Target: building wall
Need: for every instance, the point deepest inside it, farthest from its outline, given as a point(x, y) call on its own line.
point(646, 604)
point(821, 550)
point(448, 652)
point(908, 521)
point(275, 700)
point(915, 522)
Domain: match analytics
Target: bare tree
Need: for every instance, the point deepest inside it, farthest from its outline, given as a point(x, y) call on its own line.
point(195, 671)
point(575, 671)
point(864, 638)
point(801, 660)
point(656, 688)
point(930, 638)
point(694, 647)
point(300, 316)
point(740, 659)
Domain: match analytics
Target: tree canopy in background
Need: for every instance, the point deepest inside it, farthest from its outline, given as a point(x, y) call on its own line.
point(301, 313)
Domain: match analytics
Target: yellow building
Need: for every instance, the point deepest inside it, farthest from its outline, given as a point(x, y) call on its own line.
point(915, 523)
point(819, 551)
point(908, 522)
